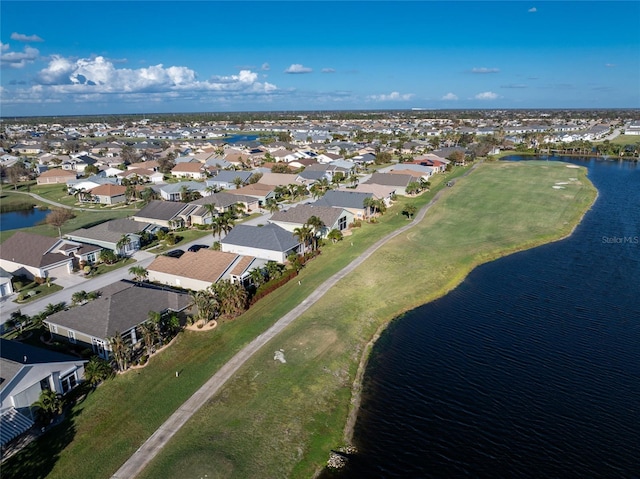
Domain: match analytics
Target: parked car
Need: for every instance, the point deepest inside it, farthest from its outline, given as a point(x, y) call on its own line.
point(197, 247)
point(176, 253)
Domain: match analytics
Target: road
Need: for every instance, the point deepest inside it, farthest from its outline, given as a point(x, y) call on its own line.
point(152, 446)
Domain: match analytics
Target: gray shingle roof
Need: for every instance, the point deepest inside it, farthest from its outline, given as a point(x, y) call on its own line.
point(119, 311)
point(160, 210)
point(390, 180)
point(268, 237)
point(343, 199)
point(111, 231)
point(31, 250)
point(299, 214)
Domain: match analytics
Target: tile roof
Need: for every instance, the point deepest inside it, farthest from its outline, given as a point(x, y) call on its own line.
point(58, 172)
point(108, 190)
point(203, 265)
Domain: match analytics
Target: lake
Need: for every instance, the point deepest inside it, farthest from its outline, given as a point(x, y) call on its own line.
point(530, 368)
point(22, 219)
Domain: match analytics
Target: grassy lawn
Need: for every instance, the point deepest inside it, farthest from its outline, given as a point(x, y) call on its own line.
point(280, 420)
point(83, 219)
point(626, 139)
point(34, 291)
point(187, 237)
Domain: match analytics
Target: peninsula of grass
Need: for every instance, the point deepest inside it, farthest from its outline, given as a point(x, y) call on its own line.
point(280, 419)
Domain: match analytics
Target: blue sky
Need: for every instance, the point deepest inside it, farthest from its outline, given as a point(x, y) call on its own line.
point(101, 57)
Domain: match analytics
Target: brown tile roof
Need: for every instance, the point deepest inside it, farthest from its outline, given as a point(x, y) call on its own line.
point(58, 172)
point(203, 265)
point(242, 265)
point(188, 167)
point(108, 190)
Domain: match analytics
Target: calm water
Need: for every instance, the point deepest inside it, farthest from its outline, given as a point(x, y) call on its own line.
point(531, 368)
point(21, 219)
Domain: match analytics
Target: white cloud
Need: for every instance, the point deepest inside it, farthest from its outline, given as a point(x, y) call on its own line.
point(485, 70)
point(328, 70)
point(487, 95)
point(532, 10)
point(298, 68)
point(17, 59)
point(4, 47)
point(450, 96)
point(393, 96)
point(21, 37)
point(95, 77)
point(609, 65)
point(265, 67)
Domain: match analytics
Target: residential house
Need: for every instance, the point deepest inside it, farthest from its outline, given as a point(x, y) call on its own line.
point(55, 176)
point(107, 235)
point(398, 181)
point(6, 286)
point(26, 371)
point(162, 213)
point(199, 270)
point(279, 179)
point(350, 200)
point(297, 216)
point(175, 191)
point(109, 194)
point(223, 201)
point(365, 159)
point(194, 171)
point(227, 180)
point(258, 191)
point(121, 308)
point(142, 175)
point(379, 192)
point(269, 242)
point(38, 256)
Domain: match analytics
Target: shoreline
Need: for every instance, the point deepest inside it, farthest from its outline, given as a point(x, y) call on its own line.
point(356, 390)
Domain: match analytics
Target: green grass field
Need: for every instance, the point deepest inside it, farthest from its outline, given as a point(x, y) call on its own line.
point(280, 420)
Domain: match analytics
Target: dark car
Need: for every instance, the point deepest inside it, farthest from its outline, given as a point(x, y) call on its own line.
point(197, 247)
point(176, 253)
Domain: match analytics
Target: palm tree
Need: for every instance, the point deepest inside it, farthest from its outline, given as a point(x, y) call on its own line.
point(238, 182)
point(121, 351)
point(210, 209)
point(206, 305)
point(232, 297)
point(274, 270)
point(335, 235)
point(79, 297)
point(148, 194)
point(317, 226)
point(49, 405)
point(216, 226)
point(122, 244)
point(97, 370)
point(149, 331)
point(185, 193)
point(257, 277)
point(304, 235)
point(272, 205)
point(139, 273)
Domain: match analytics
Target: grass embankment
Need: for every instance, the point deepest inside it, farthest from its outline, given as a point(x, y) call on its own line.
point(83, 219)
point(275, 419)
point(280, 420)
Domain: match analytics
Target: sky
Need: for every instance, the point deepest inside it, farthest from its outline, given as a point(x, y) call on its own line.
point(110, 57)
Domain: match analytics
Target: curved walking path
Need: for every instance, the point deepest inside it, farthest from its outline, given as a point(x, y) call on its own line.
point(152, 446)
point(60, 205)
